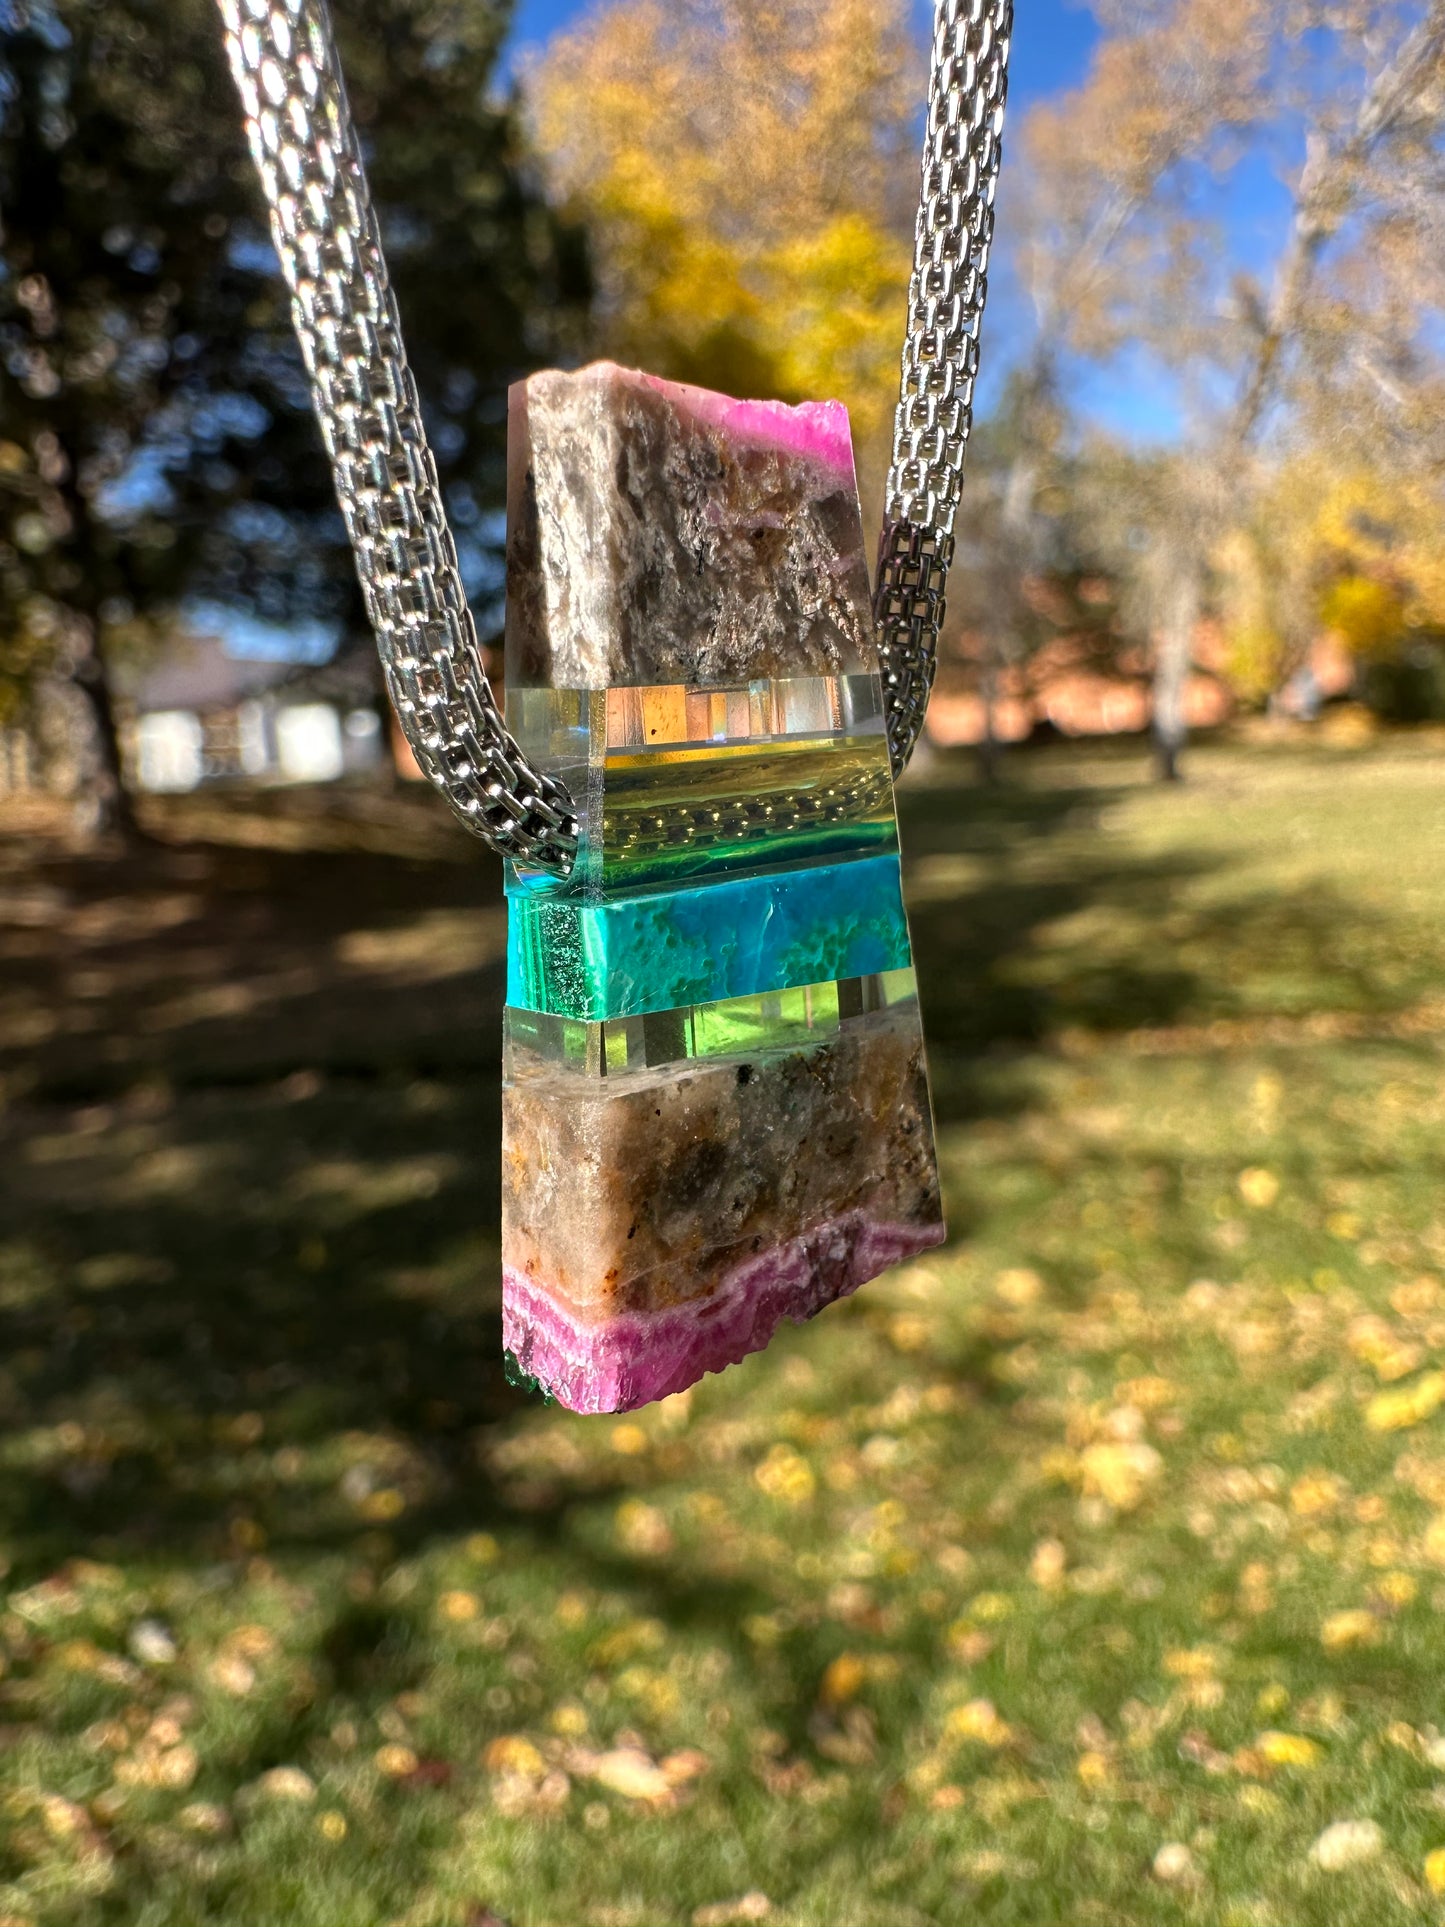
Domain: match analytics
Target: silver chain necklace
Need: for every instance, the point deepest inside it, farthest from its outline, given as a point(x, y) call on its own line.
point(283, 56)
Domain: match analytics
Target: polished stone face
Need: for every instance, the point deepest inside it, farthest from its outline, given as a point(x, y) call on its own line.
point(660, 534)
point(716, 1112)
point(678, 1173)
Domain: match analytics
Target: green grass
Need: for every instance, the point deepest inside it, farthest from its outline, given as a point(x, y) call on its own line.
point(1118, 1526)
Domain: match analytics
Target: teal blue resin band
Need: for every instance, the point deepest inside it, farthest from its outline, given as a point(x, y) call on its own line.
point(733, 938)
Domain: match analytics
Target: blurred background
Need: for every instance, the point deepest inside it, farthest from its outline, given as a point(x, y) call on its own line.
point(1089, 1571)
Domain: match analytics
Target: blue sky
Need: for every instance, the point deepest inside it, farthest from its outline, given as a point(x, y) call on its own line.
point(1053, 40)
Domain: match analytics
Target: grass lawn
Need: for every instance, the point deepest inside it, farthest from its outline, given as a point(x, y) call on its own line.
point(1092, 1571)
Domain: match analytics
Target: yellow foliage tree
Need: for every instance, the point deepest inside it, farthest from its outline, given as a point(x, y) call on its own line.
point(1329, 340)
point(1368, 615)
point(1381, 541)
point(1255, 649)
point(747, 171)
point(1358, 552)
point(1268, 569)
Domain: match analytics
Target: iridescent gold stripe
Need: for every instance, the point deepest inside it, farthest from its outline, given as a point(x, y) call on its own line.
point(570, 725)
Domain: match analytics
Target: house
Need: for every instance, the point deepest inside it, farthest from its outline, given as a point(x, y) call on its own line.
point(203, 715)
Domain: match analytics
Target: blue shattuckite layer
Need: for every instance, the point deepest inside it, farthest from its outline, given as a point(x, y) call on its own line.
point(732, 938)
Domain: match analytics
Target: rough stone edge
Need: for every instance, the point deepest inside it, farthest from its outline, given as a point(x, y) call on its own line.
point(633, 1359)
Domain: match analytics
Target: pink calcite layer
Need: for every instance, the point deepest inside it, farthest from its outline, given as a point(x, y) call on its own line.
point(816, 429)
point(633, 1359)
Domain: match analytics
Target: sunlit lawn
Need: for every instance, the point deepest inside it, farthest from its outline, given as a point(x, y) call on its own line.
point(1091, 1572)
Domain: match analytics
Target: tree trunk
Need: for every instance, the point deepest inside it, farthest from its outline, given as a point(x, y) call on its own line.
point(989, 747)
point(105, 808)
point(1173, 654)
point(108, 809)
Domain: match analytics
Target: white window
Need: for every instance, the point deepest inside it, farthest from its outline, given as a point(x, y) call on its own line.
point(363, 739)
point(251, 739)
point(308, 743)
point(169, 750)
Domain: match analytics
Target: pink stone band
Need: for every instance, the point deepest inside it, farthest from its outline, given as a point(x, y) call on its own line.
point(617, 1364)
point(817, 430)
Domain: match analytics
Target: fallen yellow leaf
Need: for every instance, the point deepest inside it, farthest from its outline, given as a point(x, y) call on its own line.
point(1019, 1287)
point(734, 1913)
point(629, 1771)
point(286, 1783)
point(1120, 1471)
point(1047, 1563)
point(233, 1674)
point(977, 1720)
point(515, 1754)
point(1315, 1492)
point(685, 1765)
point(165, 1766)
point(1191, 1662)
point(1093, 1769)
point(1355, 1627)
point(842, 1680)
point(784, 1474)
point(1395, 1411)
point(1398, 1588)
point(1288, 1749)
point(251, 1642)
point(1258, 1187)
point(643, 1529)
point(380, 1507)
point(569, 1718)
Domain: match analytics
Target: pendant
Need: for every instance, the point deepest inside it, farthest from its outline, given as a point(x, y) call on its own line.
point(715, 1103)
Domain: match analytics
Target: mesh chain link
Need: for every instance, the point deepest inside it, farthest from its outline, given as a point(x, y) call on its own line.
point(283, 57)
point(967, 88)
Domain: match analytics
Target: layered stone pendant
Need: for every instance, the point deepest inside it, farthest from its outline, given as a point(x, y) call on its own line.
point(716, 1109)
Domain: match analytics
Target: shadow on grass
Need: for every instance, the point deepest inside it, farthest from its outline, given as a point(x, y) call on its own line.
point(969, 938)
point(253, 1146)
point(1055, 925)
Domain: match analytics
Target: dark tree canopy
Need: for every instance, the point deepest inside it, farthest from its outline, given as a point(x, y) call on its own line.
point(156, 442)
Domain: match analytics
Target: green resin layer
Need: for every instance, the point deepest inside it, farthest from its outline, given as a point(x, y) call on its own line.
point(732, 937)
point(674, 814)
point(737, 1027)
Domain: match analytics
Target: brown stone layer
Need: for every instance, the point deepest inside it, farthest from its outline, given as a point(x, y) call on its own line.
point(647, 544)
point(642, 1194)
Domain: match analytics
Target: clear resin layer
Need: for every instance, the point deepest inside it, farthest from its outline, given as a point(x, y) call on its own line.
point(716, 1109)
point(733, 1027)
